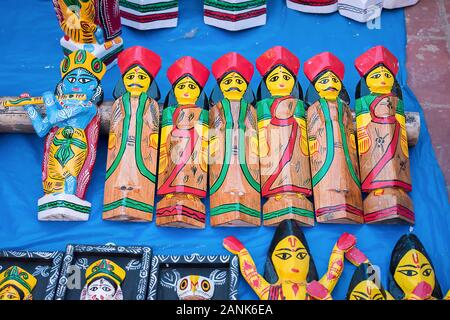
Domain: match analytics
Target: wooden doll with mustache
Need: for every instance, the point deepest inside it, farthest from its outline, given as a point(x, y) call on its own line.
point(332, 146)
point(233, 147)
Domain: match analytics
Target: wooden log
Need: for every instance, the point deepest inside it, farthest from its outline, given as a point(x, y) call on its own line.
point(15, 120)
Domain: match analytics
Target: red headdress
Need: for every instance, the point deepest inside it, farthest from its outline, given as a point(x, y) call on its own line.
point(188, 66)
point(141, 56)
point(233, 61)
point(375, 56)
point(277, 56)
point(321, 62)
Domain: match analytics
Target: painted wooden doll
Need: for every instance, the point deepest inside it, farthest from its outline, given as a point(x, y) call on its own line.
point(332, 147)
point(235, 15)
point(382, 140)
point(183, 151)
point(16, 284)
point(366, 284)
point(283, 144)
point(234, 161)
point(71, 127)
point(103, 281)
point(313, 6)
point(412, 275)
point(290, 273)
point(91, 25)
point(133, 139)
point(149, 14)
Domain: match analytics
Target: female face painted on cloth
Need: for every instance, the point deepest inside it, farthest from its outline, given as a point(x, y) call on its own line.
point(101, 289)
point(328, 86)
point(413, 269)
point(280, 82)
point(291, 260)
point(186, 91)
point(80, 81)
point(9, 293)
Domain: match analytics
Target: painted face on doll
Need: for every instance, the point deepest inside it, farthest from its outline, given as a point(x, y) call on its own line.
point(233, 86)
point(101, 289)
point(80, 81)
point(280, 82)
point(186, 91)
point(366, 290)
point(413, 269)
point(380, 80)
point(136, 81)
point(9, 293)
point(291, 260)
point(328, 86)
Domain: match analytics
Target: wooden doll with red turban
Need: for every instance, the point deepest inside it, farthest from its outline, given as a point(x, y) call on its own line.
point(233, 163)
point(382, 140)
point(133, 138)
point(332, 146)
point(183, 151)
point(283, 144)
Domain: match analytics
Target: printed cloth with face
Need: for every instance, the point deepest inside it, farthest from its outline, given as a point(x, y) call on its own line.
point(103, 281)
point(412, 275)
point(16, 284)
point(290, 272)
point(332, 145)
point(133, 139)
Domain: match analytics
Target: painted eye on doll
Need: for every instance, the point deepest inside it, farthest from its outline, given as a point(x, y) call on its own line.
point(376, 76)
point(387, 75)
point(84, 80)
point(274, 79)
point(142, 77)
point(106, 289)
point(191, 86)
point(239, 81)
point(324, 81)
point(427, 272)
point(71, 79)
point(228, 81)
point(93, 289)
point(130, 77)
point(206, 286)
point(335, 80)
point(181, 86)
point(408, 273)
point(183, 284)
point(286, 77)
point(284, 255)
point(301, 255)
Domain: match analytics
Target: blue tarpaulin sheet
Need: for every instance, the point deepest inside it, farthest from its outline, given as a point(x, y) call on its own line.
point(29, 62)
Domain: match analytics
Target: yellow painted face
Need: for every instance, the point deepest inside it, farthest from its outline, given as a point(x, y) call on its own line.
point(328, 86)
point(291, 260)
point(280, 82)
point(412, 269)
point(136, 81)
point(233, 86)
point(366, 290)
point(380, 80)
point(186, 91)
point(9, 293)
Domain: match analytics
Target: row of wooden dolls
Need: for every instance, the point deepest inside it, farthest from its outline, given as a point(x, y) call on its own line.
point(93, 272)
point(245, 151)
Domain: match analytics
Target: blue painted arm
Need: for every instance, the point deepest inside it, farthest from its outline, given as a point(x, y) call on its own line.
point(56, 113)
point(41, 125)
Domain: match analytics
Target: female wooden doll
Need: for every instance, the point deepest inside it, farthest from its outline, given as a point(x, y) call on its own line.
point(332, 147)
point(382, 140)
point(234, 162)
point(366, 284)
point(16, 284)
point(133, 139)
point(72, 127)
point(412, 275)
point(290, 272)
point(283, 145)
point(183, 153)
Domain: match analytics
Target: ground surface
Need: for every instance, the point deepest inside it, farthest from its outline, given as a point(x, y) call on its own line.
point(428, 61)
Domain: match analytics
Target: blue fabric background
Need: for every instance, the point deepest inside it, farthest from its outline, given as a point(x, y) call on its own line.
point(29, 61)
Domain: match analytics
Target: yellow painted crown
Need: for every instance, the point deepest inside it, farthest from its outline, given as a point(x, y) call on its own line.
point(19, 278)
point(83, 59)
point(105, 268)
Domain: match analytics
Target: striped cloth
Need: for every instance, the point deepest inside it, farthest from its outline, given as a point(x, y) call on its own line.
point(149, 14)
point(313, 6)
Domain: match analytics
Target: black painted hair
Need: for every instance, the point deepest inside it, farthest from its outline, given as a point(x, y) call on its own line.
point(404, 244)
point(287, 228)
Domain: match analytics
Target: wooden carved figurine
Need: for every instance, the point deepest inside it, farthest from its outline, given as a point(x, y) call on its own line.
point(149, 14)
point(72, 127)
point(183, 151)
point(235, 15)
point(103, 281)
point(283, 144)
point(313, 6)
point(16, 284)
point(91, 25)
point(233, 147)
point(332, 146)
point(290, 272)
point(382, 140)
point(412, 275)
point(133, 139)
